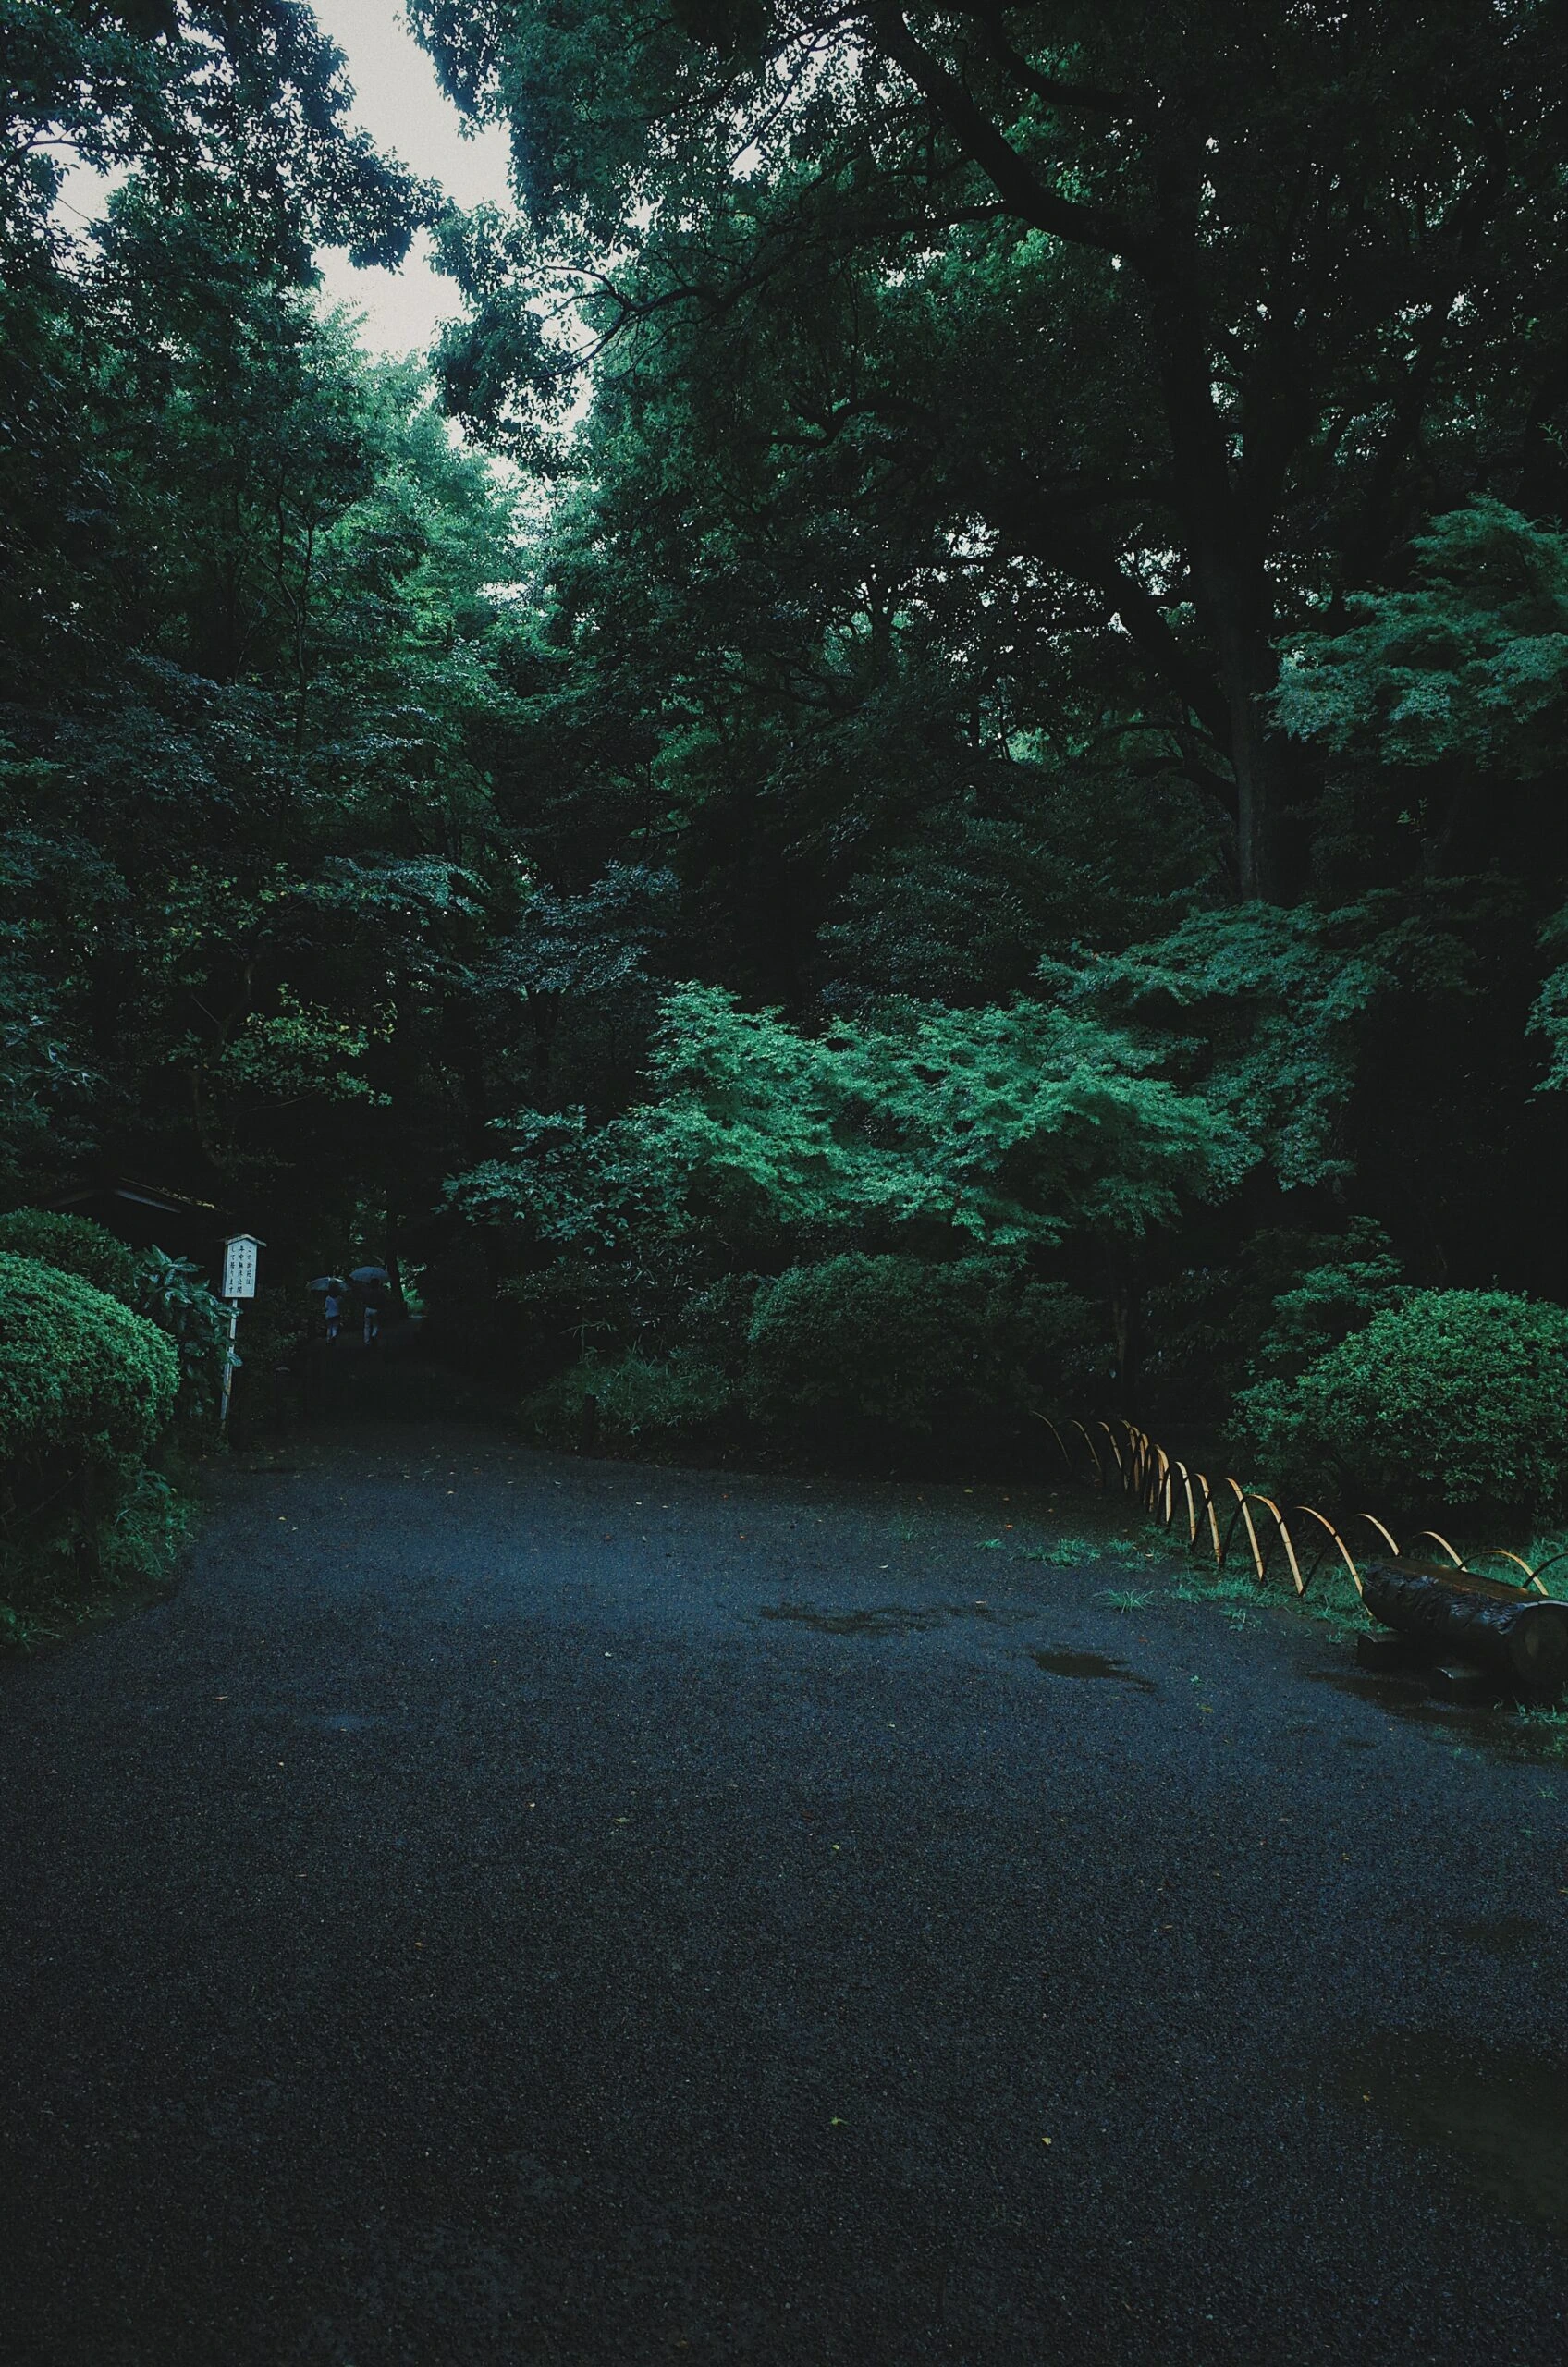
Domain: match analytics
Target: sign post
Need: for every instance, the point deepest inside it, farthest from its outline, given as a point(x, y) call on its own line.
point(238, 1282)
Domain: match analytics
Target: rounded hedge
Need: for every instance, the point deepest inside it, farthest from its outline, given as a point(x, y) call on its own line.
point(75, 1244)
point(1452, 1398)
point(80, 1374)
point(890, 1341)
point(640, 1402)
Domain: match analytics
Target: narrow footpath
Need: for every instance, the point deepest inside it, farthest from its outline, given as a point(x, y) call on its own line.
point(507, 1908)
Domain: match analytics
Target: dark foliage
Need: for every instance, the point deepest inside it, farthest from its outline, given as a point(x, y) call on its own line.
point(1011, 755)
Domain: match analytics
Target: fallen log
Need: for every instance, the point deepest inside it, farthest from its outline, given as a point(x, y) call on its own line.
point(1519, 1636)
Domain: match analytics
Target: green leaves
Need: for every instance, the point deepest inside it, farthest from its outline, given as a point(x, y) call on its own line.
point(80, 1373)
point(1261, 1004)
point(171, 1291)
point(249, 842)
point(297, 1052)
point(1451, 1399)
point(1267, 1010)
point(1006, 1127)
point(1471, 662)
point(1040, 1121)
point(1549, 1016)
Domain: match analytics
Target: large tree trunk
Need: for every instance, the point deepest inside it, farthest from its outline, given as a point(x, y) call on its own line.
point(1235, 600)
point(1125, 1308)
point(1225, 505)
point(1247, 672)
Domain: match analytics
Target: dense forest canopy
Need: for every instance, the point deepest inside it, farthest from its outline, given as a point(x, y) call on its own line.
point(954, 681)
point(1161, 332)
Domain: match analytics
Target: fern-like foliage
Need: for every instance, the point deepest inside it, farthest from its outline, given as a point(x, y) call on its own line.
point(1471, 661)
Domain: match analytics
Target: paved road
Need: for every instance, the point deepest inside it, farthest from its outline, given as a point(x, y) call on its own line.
point(511, 1910)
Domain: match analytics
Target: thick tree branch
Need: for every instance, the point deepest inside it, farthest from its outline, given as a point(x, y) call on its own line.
point(1074, 98)
point(1464, 228)
point(1028, 196)
point(1063, 540)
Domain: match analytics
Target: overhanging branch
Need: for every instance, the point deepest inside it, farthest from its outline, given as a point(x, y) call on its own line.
point(1028, 196)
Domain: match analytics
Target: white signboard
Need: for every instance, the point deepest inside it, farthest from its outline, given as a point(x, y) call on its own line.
point(239, 1266)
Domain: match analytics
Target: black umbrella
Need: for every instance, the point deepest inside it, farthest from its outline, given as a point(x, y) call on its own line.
point(328, 1282)
point(370, 1274)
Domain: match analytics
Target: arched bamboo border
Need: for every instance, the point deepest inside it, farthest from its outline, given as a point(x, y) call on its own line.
point(1165, 1487)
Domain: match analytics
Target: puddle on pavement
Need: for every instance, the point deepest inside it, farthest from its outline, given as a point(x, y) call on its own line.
point(1500, 1730)
point(1498, 2117)
point(1398, 1694)
point(890, 1619)
point(1092, 1664)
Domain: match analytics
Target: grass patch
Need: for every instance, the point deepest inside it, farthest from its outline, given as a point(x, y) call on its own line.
point(1547, 1729)
point(1221, 1589)
point(1330, 1598)
point(1084, 1553)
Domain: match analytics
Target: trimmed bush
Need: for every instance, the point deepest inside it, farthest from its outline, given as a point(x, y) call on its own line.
point(639, 1403)
point(75, 1245)
point(861, 1352)
point(1453, 1398)
point(86, 1388)
point(168, 1290)
point(857, 1340)
point(900, 1344)
point(76, 1364)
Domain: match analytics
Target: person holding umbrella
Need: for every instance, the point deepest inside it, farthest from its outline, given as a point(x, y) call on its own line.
point(332, 1287)
point(370, 1281)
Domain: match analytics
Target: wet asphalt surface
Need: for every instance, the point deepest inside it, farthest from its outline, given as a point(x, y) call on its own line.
point(509, 1908)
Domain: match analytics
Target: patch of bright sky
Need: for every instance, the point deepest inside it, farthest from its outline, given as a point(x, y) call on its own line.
point(398, 101)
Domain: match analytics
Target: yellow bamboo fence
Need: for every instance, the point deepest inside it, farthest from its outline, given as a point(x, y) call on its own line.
point(1216, 1514)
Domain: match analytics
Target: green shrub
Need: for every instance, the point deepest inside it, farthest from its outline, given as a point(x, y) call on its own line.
point(1266, 1305)
point(717, 1321)
point(168, 1290)
point(639, 1402)
point(1067, 1358)
point(86, 1389)
point(864, 1350)
point(140, 1539)
point(171, 1293)
point(1452, 1398)
point(75, 1245)
point(899, 1345)
point(74, 1364)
